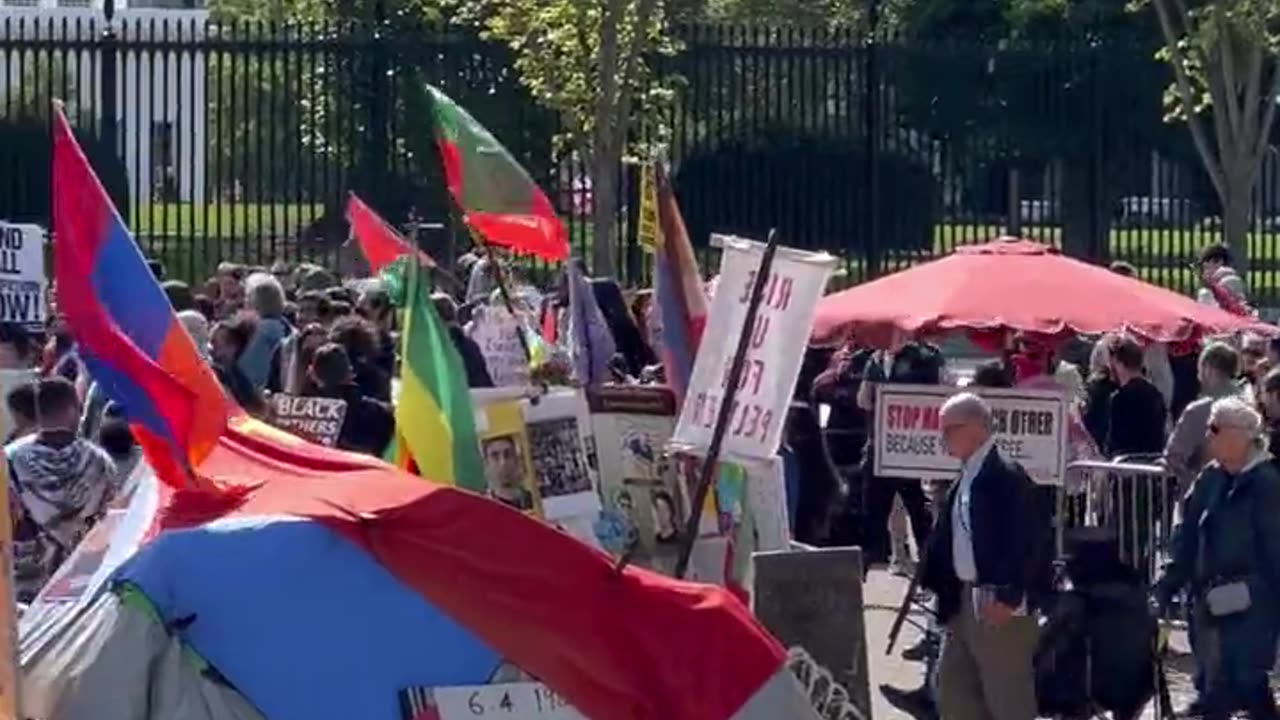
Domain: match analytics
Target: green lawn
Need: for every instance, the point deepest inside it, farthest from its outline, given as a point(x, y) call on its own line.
point(191, 240)
point(223, 219)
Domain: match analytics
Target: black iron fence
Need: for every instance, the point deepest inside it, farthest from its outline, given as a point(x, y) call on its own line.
point(234, 141)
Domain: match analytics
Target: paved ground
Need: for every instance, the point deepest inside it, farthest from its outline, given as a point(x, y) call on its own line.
point(883, 593)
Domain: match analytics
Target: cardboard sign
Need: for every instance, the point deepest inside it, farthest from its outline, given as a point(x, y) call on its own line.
point(312, 418)
point(778, 340)
point(22, 277)
point(1031, 428)
point(497, 332)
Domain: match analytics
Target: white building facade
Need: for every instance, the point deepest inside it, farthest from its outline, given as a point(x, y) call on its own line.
point(161, 100)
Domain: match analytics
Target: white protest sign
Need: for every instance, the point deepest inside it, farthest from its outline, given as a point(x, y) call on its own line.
point(496, 331)
point(22, 278)
point(777, 342)
point(1031, 428)
point(510, 701)
point(312, 418)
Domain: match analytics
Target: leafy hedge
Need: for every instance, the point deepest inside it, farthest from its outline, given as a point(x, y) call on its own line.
point(812, 187)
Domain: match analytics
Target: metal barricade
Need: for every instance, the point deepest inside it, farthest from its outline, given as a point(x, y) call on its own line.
point(1134, 501)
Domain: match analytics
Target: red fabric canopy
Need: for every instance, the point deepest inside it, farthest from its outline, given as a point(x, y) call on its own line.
point(1015, 285)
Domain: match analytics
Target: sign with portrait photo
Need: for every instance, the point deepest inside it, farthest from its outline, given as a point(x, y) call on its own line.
point(558, 427)
point(631, 425)
point(504, 452)
point(1030, 428)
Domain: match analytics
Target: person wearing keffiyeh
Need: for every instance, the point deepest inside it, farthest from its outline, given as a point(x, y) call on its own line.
point(59, 485)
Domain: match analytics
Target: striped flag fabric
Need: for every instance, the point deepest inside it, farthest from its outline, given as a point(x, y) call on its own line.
point(591, 343)
point(435, 420)
point(379, 242)
point(499, 200)
point(678, 291)
point(128, 335)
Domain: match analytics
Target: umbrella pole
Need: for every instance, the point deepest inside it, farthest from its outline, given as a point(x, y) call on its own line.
point(726, 406)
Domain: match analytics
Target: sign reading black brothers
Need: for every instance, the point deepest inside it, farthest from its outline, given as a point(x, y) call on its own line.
point(22, 279)
point(316, 419)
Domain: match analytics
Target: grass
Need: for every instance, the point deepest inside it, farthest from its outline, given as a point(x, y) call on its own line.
point(192, 239)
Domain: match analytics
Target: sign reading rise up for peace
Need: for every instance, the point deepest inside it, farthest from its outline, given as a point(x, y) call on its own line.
point(311, 418)
point(22, 279)
point(778, 339)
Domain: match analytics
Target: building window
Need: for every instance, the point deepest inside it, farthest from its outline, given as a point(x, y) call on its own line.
point(73, 3)
point(21, 3)
point(166, 4)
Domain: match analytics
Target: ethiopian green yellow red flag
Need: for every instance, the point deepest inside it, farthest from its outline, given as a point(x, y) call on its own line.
point(435, 421)
point(498, 198)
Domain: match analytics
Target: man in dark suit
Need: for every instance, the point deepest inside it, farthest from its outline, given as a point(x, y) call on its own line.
point(988, 565)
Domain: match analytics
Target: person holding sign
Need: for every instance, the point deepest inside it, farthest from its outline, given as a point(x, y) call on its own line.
point(369, 423)
point(987, 566)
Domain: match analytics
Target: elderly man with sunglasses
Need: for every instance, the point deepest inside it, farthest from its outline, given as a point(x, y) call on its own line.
point(988, 565)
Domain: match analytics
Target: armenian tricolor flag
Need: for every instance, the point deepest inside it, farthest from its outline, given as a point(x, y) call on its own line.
point(127, 333)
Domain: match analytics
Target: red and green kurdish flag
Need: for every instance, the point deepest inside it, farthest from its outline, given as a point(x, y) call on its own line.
point(499, 199)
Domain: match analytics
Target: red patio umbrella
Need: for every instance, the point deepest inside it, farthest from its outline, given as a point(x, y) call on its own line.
point(1015, 285)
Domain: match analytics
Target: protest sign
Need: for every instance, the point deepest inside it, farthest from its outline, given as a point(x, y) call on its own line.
point(504, 450)
point(496, 331)
point(510, 701)
point(557, 425)
point(22, 278)
point(312, 418)
point(1031, 428)
point(631, 425)
point(778, 339)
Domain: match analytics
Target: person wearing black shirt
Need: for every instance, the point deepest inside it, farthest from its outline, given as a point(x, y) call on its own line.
point(1138, 416)
point(369, 423)
point(1136, 427)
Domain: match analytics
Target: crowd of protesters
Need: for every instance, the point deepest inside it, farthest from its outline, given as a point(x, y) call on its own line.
point(1208, 411)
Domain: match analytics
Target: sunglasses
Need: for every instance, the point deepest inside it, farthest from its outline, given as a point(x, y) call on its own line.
point(1216, 429)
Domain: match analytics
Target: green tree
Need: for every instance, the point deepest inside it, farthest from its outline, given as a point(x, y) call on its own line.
point(587, 60)
point(1226, 67)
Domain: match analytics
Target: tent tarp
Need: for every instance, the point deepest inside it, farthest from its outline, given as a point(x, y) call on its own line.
point(116, 662)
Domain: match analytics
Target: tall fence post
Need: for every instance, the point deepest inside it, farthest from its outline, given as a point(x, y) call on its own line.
point(109, 78)
point(871, 108)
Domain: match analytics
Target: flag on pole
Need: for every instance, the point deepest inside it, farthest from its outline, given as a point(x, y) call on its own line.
point(678, 291)
point(498, 198)
point(379, 242)
point(591, 343)
point(128, 335)
point(435, 421)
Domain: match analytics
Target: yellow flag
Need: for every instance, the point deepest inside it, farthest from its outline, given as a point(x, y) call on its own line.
point(647, 232)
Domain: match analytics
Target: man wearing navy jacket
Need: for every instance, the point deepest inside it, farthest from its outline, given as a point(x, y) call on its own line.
point(988, 566)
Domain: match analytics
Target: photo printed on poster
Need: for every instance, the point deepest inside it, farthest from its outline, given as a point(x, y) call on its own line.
point(558, 426)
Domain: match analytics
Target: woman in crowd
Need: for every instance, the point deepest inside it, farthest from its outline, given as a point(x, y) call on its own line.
point(1225, 553)
point(1097, 392)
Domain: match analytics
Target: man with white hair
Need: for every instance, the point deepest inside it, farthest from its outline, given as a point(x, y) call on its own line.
point(987, 566)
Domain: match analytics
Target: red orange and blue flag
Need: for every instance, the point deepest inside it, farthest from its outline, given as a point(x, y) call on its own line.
point(678, 293)
point(126, 331)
